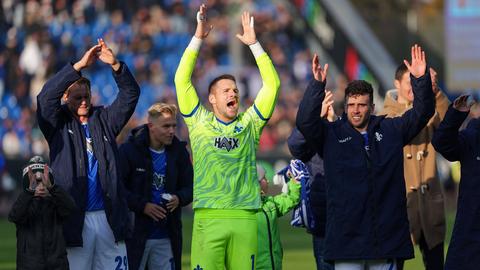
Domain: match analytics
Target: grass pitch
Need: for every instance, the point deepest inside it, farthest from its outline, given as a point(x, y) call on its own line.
point(297, 245)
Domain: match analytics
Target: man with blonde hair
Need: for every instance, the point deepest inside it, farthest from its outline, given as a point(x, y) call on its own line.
point(159, 109)
point(158, 175)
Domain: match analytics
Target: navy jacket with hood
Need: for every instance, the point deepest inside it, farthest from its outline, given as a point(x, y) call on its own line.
point(301, 150)
point(137, 168)
point(68, 156)
point(464, 146)
point(366, 202)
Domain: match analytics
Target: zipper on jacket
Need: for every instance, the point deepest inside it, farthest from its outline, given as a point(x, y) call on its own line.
point(269, 239)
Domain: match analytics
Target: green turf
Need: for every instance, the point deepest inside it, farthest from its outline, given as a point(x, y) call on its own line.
point(297, 246)
point(7, 245)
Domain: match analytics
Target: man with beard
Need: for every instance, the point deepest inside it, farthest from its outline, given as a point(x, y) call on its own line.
point(367, 225)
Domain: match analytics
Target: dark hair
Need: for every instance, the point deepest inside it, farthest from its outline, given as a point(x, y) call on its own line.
point(359, 87)
point(401, 69)
point(221, 77)
point(80, 83)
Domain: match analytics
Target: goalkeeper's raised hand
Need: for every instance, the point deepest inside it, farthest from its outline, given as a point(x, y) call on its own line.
point(248, 37)
point(203, 29)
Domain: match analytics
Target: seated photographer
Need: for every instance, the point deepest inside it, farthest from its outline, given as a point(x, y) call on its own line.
point(38, 214)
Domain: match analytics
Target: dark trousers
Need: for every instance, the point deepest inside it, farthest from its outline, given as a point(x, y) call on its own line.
point(433, 259)
point(318, 250)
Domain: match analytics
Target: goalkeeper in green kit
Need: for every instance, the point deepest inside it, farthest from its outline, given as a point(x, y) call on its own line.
point(226, 193)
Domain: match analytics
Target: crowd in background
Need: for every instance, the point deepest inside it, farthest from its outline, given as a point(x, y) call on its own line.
point(39, 37)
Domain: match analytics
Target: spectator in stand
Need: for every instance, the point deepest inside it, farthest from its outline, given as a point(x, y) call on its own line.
point(149, 37)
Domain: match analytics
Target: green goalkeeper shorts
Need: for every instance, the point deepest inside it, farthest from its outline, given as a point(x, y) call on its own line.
point(224, 239)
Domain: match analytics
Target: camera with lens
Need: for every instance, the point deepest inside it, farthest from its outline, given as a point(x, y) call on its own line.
point(37, 165)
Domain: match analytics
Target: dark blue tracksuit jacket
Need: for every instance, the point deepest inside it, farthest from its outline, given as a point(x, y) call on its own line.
point(301, 150)
point(68, 156)
point(464, 249)
point(137, 169)
point(366, 201)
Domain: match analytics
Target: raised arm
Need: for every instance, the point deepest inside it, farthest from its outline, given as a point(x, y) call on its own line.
point(410, 123)
point(49, 99)
point(186, 93)
point(441, 101)
point(308, 119)
point(298, 146)
point(122, 108)
point(447, 140)
point(267, 96)
point(328, 112)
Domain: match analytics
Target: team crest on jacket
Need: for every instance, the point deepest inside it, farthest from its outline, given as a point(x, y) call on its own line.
point(158, 180)
point(226, 143)
point(378, 136)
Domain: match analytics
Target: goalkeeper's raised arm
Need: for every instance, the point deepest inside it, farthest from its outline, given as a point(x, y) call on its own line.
point(186, 93)
point(267, 96)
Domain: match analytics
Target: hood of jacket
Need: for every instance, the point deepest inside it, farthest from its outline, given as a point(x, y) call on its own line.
point(391, 106)
point(140, 135)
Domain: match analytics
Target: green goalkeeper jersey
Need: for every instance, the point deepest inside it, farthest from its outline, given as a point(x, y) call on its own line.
point(224, 154)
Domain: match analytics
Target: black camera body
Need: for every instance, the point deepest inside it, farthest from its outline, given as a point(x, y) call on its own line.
point(37, 165)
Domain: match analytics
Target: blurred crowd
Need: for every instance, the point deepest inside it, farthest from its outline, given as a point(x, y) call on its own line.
point(39, 37)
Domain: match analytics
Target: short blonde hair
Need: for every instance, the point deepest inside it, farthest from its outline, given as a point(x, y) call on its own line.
point(160, 108)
